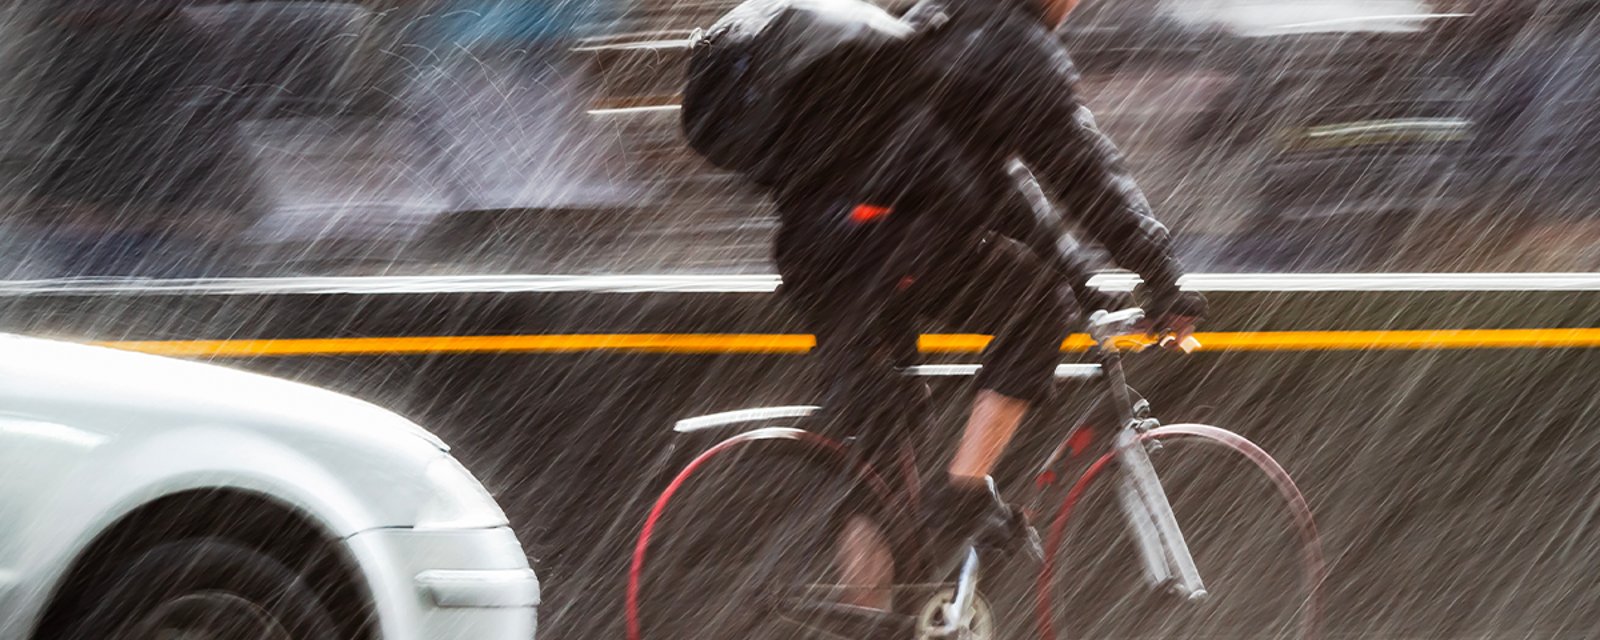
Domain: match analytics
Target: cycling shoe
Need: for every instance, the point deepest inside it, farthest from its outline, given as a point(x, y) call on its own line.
point(957, 513)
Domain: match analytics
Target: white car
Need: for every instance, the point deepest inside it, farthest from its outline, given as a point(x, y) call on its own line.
point(149, 498)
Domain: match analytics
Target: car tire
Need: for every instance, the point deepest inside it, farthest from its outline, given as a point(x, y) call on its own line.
point(207, 588)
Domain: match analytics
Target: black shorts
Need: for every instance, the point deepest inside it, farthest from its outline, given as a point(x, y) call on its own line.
point(867, 315)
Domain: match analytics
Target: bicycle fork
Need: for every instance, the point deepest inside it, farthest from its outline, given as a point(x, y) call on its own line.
point(1162, 550)
point(1160, 543)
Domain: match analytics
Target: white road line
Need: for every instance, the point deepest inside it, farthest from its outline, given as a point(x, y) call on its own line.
point(767, 283)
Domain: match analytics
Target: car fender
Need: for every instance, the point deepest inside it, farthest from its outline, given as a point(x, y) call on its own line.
point(111, 481)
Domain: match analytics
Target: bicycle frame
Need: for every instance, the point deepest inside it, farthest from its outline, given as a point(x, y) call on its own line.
point(1164, 553)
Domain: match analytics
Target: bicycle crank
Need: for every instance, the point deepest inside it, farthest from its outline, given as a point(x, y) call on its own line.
point(933, 618)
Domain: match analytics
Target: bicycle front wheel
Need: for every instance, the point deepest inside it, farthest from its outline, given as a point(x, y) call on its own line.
point(1245, 522)
point(744, 530)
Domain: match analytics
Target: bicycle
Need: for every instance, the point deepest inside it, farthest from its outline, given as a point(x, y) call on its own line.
point(721, 553)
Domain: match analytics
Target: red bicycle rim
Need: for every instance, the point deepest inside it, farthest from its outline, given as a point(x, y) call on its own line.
point(864, 472)
point(1311, 541)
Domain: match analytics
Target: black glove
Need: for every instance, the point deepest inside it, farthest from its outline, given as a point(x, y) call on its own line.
point(1177, 303)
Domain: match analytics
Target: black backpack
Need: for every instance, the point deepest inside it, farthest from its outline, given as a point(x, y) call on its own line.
point(742, 69)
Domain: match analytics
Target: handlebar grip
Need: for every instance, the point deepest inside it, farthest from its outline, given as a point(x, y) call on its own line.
point(1189, 344)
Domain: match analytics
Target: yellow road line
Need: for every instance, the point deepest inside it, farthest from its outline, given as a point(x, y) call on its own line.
point(1401, 340)
point(557, 343)
point(794, 343)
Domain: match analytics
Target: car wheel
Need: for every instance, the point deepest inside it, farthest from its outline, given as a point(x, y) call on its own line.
point(204, 588)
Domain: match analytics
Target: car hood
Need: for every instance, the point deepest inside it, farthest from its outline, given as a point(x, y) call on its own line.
point(39, 370)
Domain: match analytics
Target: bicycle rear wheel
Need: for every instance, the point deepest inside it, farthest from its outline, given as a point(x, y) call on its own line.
point(1248, 527)
point(744, 530)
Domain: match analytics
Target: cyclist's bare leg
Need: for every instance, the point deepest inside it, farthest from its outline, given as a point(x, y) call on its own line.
point(865, 565)
point(990, 427)
point(863, 558)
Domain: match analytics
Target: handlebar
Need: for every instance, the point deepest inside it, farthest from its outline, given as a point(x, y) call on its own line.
point(1120, 331)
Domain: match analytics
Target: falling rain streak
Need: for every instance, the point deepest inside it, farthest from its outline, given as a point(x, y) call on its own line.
point(451, 175)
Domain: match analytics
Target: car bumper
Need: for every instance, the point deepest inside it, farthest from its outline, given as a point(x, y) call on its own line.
point(472, 583)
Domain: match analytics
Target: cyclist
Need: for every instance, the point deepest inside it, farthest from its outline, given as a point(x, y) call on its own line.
point(897, 204)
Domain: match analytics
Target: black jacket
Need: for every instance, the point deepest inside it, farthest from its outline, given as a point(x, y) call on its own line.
point(932, 129)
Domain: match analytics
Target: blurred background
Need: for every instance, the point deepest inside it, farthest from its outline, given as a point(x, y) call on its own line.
point(143, 142)
point(172, 138)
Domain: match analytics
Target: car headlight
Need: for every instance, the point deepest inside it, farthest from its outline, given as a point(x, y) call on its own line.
point(457, 500)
